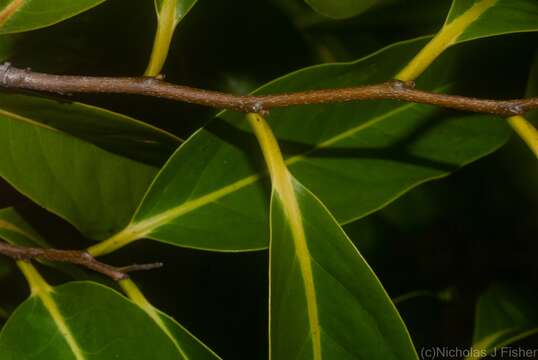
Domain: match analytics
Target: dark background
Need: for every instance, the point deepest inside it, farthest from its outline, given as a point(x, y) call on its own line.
point(457, 235)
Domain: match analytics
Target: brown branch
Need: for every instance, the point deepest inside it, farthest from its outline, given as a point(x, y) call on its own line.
point(81, 258)
point(14, 78)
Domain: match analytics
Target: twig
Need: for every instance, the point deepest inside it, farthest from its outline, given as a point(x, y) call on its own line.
point(81, 258)
point(14, 78)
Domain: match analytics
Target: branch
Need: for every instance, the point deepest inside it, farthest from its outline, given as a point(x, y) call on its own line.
point(14, 78)
point(81, 258)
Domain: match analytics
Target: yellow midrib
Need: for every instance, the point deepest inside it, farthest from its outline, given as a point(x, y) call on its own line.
point(40, 288)
point(446, 37)
point(166, 25)
point(283, 186)
point(9, 10)
point(136, 296)
point(526, 132)
point(13, 228)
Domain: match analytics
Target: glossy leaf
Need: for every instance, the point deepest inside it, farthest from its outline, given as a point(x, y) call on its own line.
point(504, 315)
point(315, 272)
point(343, 8)
point(495, 17)
point(356, 157)
point(71, 159)
point(24, 15)
point(326, 303)
point(84, 320)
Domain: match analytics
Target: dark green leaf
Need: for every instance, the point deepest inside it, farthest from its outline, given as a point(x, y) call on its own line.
point(61, 156)
point(326, 303)
point(24, 15)
point(84, 320)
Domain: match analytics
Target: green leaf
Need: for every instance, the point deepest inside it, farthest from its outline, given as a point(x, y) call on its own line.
point(357, 157)
point(84, 320)
point(495, 17)
point(341, 9)
point(315, 272)
point(24, 15)
point(71, 159)
point(326, 302)
point(108, 130)
point(503, 316)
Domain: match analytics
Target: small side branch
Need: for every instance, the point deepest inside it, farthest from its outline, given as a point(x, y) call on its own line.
point(81, 258)
point(14, 78)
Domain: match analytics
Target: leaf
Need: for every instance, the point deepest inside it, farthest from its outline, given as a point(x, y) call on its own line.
point(326, 302)
point(503, 316)
point(357, 157)
point(111, 131)
point(84, 320)
point(24, 15)
point(495, 17)
point(343, 8)
point(61, 156)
